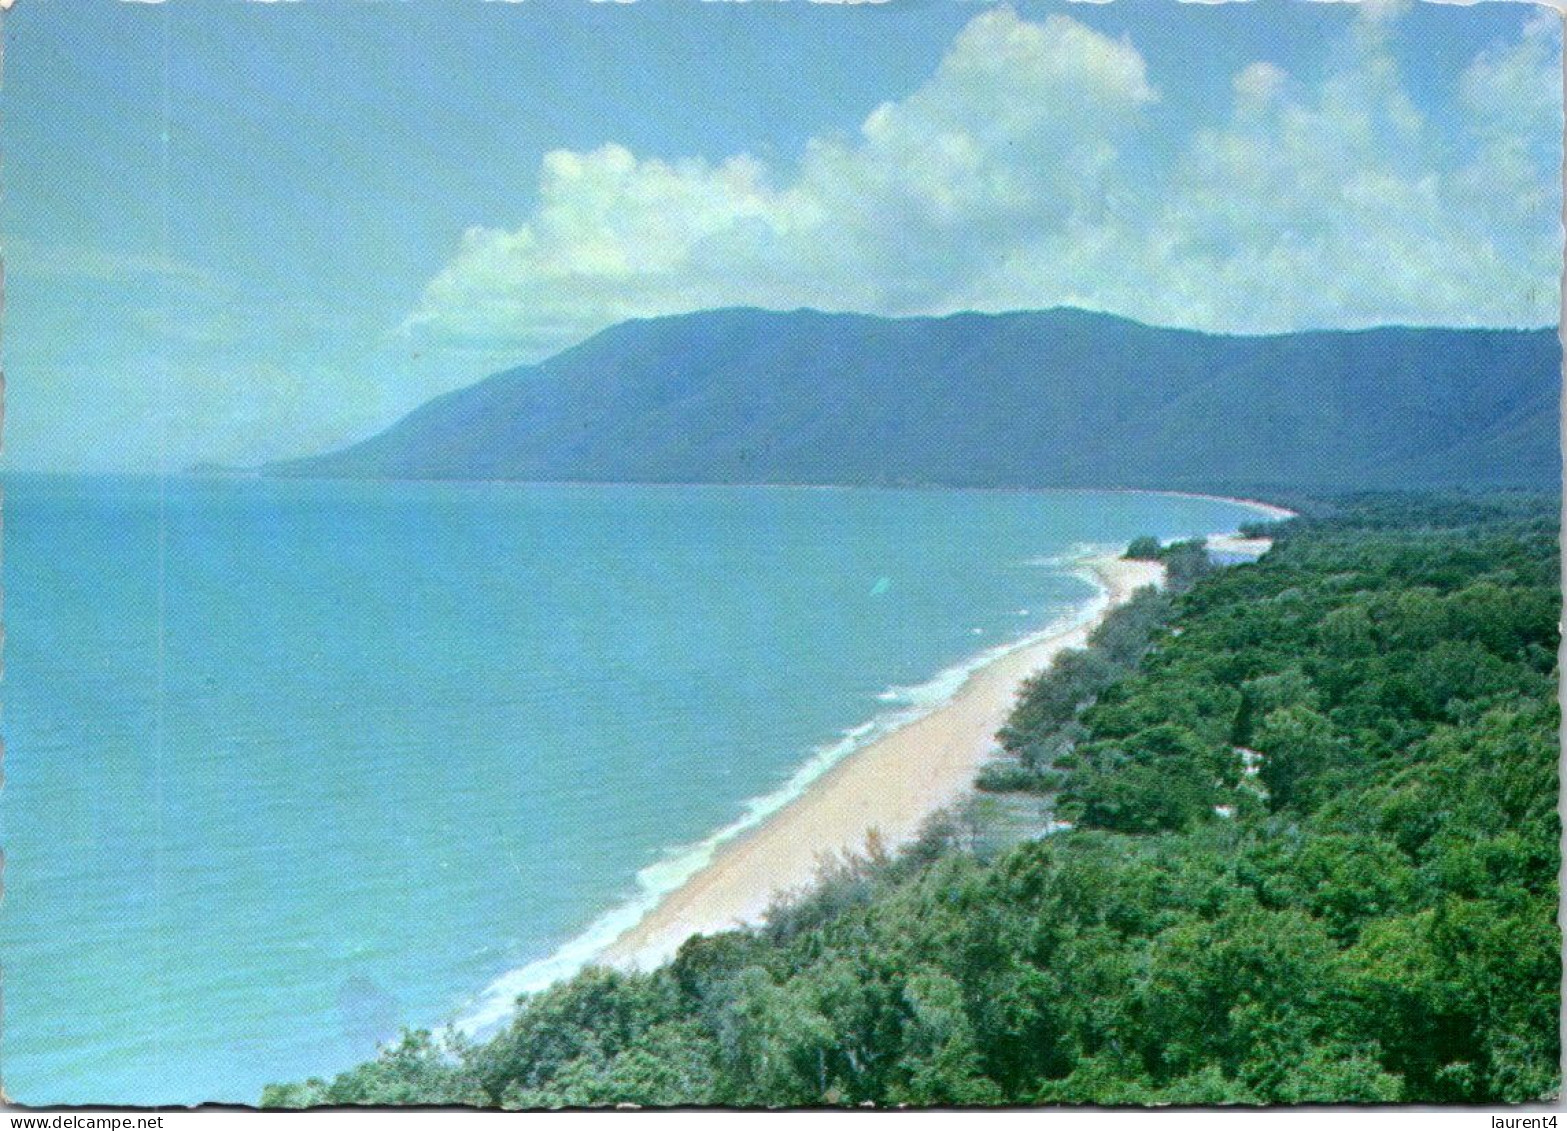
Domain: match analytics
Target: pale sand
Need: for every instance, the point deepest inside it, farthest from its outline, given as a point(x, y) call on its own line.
point(1271, 512)
point(1235, 544)
point(892, 786)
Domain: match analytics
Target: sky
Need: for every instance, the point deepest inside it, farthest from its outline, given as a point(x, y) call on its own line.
point(238, 231)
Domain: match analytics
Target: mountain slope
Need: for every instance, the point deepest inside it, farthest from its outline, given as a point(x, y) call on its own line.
point(1050, 398)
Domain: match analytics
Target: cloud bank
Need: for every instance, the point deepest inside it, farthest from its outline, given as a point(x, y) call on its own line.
point(1024, 174)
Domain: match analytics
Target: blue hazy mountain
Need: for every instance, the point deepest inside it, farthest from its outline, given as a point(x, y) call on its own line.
point(1048, 398)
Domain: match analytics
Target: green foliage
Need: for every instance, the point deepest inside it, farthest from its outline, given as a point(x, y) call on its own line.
point(1043, 732)
point(1144, 549)
point(1186, 563)
point(416, 1070)
point(1303, 753)
point(1016, 777)
point(1052, 699)
point(1315, 861)
point(1124, 635)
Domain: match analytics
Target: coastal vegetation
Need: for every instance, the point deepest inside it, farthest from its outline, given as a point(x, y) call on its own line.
point(1042, 730)
point(1312, 858)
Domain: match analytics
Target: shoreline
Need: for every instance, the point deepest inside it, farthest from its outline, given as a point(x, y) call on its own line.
point(888, 787)
point(835, 799)
point(1270, 511)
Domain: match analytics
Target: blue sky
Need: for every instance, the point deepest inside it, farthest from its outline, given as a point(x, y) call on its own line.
point(239, 231)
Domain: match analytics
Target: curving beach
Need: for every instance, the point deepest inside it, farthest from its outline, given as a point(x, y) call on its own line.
point(891, 786)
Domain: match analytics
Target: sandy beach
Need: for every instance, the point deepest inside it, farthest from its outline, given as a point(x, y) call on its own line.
point(1236, 544)
point(891, 786)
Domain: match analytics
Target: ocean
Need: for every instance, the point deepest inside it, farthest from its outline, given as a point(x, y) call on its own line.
point(292, 765)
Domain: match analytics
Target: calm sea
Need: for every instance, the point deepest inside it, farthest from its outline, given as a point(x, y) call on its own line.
point(292, 765)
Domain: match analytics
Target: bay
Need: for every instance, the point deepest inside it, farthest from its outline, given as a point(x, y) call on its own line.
point(294, 764)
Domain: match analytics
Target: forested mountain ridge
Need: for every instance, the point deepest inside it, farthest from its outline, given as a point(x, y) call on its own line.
point(1057, 398)
point(1369, 917)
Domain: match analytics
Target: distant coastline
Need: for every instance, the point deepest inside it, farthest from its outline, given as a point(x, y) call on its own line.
point(1271, 511)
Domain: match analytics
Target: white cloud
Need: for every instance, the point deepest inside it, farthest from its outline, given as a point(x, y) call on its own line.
point(83, 264)
point(1018, 176)
point(1259, 83)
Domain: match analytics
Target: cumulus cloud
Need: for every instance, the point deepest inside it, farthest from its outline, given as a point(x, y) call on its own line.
point(1020, 175)
point(1343, 206)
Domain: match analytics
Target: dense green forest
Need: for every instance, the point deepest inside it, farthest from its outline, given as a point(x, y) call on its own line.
point(1045, 398)
point(1313, 858)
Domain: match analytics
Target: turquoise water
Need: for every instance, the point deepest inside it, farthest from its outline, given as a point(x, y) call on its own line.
point(291, 765)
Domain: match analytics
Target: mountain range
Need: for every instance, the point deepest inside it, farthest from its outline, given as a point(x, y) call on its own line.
point(1054, 398)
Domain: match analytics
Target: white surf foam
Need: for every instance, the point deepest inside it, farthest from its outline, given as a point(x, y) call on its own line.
point(495, 1004)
